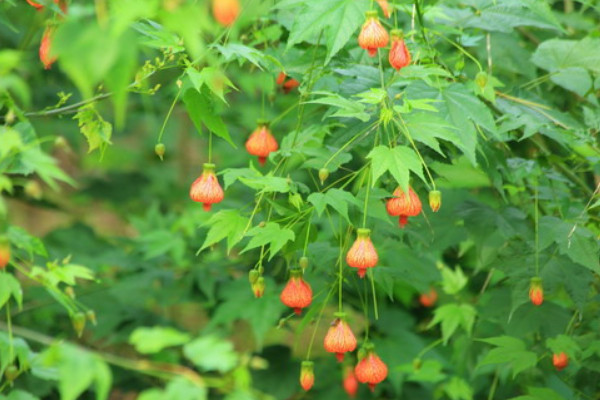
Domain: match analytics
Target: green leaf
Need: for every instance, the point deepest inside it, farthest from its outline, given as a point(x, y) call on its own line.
point(427, 128)
point(228, 224)
point(201, 110)
point(458, 389)
point(453, 315)
point(335, 20)
point(453, 281)
point(462, 109)
point(152, 340)
point(398, 161)
point(214, 79)
point(430, 371)
point(509, 350)
point(96, 130)
point(211, 353)
point(506, 15)
point(559, 54)
point(564, 343)
point(337, 199)
point(267, 184)
point(10, 286)
point(345, 108)
point(271, 234)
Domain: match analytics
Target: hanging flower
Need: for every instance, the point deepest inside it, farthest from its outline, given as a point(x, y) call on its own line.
point(428, 299)
point(404, 206)
point(261, 142)
point(339, 338)
point(372, 35)
point(4, 252)
point(307, 375)
point(536, 291)
point(362, 254)
point(371, 370)
point(46, 56)
point(399, 56)
point(350, 383)
point(385, 7)
point(435, 200)
point(206, 188)
point(560, 361)
point(297, 294)
point(289, 85)
point(226, 11)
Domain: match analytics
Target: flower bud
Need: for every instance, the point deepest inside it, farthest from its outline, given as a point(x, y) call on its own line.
point(159, 149)
point(303, 262)
point(258, 287)
point(560, 361)
point(307, 375)
point(78, 321)
point(323, 175)
point(536, 291)
point(435, 200)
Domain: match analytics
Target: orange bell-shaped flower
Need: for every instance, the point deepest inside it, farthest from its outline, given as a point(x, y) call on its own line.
point(206, 189)
point(385, 8)
point(350, 383)
point(339, 338)
point(261, 142)
point(362, 254)
point(297, 294)
point(372, 35)
point(560, 361)
point(307, 375)
point(399, 56)
point(428, 299)
point(226, 11)
point(404, 206)
point(46, 48)
point(536, 291)
point(4, 252)
point(371, 370)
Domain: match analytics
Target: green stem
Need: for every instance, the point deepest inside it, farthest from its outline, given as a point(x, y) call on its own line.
point(368, 190)
point(536, 214)
point(11, 350)
point(404, 129)
point(209, 146)
point(493, 387)
point(168, 116)
point(375, 308)
point(312, 339)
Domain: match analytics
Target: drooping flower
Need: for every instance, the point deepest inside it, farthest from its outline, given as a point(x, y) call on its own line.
point(350, 382)
point(36, 5)
point(403, 206)
point(385, 7)
point(226, 11)
point(297, 294)
point(62, 4)
point(435, 200)
point(536, 291)
point(362, 254)
point(339, 338)
point(371, 370)
point(258, 287)
point(307, 375)
point(399, 56)
point(4, 253)
point(560, 361)
point(280, 78)
point(372, 35)
point(46, 56)
point(206, 189)
point(289, 85)
point(428, 299)
point(261, 142)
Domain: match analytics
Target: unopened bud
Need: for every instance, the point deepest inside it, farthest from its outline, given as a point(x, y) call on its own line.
point(435, 200)
point(323, 175)
point(303, 262)
point(159, 149)
point(78, 321)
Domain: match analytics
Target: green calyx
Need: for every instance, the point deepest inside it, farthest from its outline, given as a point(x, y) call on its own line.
point(262, 122)
point(340, 315)
point(363, 233)
point(371, 14)
point(296, 273)
point(396, 34)
point(208, 167)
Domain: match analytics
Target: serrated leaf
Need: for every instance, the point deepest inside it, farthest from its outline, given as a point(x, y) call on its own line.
point(345, 108)
point(152, 340)
point(225, 224)
point(96, 130)
point(509, 350)
point(10, 286)
point(271, 234)
point(337, 199)
point(211, 353)
point(427, 128)
point(398, 161)
point(453, 315)
point(201, 110)
point(335, 20)
point(453, 281)
point(558, 54)
point(214, 79)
